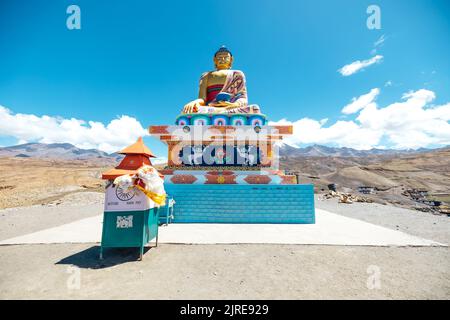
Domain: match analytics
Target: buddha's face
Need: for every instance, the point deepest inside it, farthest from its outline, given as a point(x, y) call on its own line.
point(223, 60)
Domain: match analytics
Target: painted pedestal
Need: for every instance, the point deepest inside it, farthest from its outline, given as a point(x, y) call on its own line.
point(224, 169)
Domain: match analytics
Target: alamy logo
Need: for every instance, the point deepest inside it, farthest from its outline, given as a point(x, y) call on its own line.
point(74, 279)
point(374, 20)
point(73, 21)
point(374, 279)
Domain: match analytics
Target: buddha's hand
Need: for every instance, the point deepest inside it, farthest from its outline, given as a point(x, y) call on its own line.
point(192, 107)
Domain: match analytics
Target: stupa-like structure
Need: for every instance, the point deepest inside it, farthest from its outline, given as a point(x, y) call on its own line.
point(136, 155)
point(223, 158)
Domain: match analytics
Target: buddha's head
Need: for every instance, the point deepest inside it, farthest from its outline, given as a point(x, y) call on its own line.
point(223, 59)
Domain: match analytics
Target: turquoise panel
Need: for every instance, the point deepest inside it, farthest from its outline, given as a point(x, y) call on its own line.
point(142, 229)
point(183, 121)
point(200, 120)
point(243, 203)
point(238, 120)
point(256, 120)
point(220, 120)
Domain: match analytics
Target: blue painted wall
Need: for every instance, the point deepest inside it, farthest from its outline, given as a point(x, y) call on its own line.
point(220, 203)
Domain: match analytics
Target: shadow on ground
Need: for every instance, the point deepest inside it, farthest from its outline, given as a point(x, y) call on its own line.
point(89, 258)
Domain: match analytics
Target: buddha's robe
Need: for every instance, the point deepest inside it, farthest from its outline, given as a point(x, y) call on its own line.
point(231, 82)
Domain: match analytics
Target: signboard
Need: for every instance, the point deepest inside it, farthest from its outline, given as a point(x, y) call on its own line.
point(220, 155)
point(123, 199)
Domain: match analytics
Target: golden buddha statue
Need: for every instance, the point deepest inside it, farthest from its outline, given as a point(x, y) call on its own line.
point(222, 90)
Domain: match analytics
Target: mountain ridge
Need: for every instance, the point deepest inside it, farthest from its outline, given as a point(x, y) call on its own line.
point(67, 151)
point(326, 151)
point(61, 151)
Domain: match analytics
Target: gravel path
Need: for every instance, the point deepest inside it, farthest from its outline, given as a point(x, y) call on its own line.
point(421, 224)
point(225, 272)
point(20, 221)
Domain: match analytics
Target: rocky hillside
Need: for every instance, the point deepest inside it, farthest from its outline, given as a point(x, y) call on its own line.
point(408, 178)
point(324, 151)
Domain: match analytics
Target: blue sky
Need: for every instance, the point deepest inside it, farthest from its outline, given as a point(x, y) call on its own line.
point(143, 59)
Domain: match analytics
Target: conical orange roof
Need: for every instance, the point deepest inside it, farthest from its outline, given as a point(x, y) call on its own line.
point(138, 148)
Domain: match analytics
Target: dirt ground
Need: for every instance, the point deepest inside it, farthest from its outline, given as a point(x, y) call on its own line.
point(25, 182)
point(223, 271)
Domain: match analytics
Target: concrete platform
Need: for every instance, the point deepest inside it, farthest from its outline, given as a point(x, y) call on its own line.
point(330, 229)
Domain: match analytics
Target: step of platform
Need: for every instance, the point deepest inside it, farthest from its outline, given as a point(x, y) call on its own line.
point(212, 203)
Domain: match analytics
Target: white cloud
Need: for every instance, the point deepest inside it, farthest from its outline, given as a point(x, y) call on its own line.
point(115, 135)
point(410, 123)
point(361, 102)
point(358, 65)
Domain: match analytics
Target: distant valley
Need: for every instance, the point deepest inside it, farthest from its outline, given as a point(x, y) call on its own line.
point(389, 175)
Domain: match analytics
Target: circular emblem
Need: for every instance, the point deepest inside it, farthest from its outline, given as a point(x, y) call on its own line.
point(125, 194)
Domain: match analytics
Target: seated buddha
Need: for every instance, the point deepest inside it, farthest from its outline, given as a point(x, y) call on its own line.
point(222, 90)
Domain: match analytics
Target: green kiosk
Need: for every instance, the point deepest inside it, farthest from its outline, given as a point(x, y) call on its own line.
point(130, 219)
point(130, 216)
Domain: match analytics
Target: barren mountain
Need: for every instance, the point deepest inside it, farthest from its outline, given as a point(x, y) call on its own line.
point(59, 151)
point(324, 151)
point(387, 177)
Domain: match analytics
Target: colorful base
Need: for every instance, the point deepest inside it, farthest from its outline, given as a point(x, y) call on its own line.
point(206, 203)
point(226, 177)
point(220, 119)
